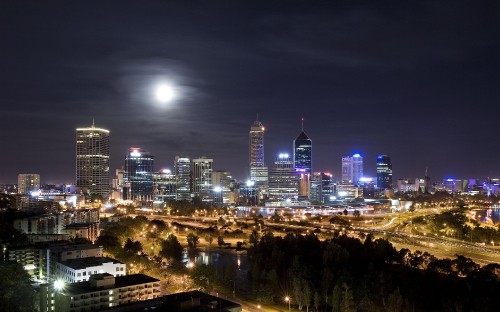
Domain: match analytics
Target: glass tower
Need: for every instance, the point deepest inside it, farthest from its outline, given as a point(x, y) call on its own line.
point(182, 171)
point(302, 158)
point(258, 171)
point(92, 160)
point(139, 174)
point(384, 172)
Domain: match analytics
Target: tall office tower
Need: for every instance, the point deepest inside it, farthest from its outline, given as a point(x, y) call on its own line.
point(164, 185)
point(139, 174)
point(352, 169)
point(201, 177)
point(222, 184)
point(92, 160)
point(302, 157)
point(182, 171)
point(27, 183)
point(258, 171)
point(283, 180)
point(321, 187)
point(384, 172)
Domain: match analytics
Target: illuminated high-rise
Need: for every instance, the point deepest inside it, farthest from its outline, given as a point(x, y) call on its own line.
point(384, 172)
point(321, 187)
point(283, 180)
point(92, 160)
point(201, 177)
point(352, 169)
point(182, 171)
point(302, 158)
point(27, 183)
point(258, 170)
point(139, 174)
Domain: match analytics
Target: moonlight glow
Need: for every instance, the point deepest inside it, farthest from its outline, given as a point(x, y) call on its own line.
point(164, 93)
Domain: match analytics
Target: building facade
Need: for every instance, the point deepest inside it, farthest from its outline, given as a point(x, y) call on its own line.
point(259, 173)
point(352, 169)
point(302, 158)
point(139, 174)
point(201, 178)
point(100, 292)
point(182, 171)
point(322, 187)
point(283, 180)
point(27, 183)
point(164, 185)
point(80, 270)
point(92, 161)
point(384, 172)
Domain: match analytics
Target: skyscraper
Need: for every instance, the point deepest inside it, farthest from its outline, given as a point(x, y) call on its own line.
point(182, 171)
point(283, 180)
point(139, 174)
point(384, 172)
point(201, 177)
point(302, 157)
point(92, 160)
point(27, 183)
point(352, 169)
point(258, 170)
point(321, 187)
point(164, 185)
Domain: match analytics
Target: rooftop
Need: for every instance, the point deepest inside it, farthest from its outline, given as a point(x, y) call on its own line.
point(120, 281)
point(82, 263)
point(72, 247)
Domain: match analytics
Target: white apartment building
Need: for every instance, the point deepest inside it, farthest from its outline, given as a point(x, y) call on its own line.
point(79, 270)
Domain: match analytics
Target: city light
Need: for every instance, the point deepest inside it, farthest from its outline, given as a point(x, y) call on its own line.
point(58, 285)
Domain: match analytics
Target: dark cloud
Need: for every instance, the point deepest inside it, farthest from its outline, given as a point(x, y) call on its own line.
point(417, 80)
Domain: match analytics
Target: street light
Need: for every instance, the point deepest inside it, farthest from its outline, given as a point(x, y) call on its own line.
point(287, 299)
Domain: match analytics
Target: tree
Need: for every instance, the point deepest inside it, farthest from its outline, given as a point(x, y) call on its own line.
point(336, 298)
point(209, 239)
point(203, 277)
point(16, 293)
point(108, 241)
point(171, 249)
point(395, 302)
point(317, 301)
point(347, 303)
point(132, 247)
point(356, 214)
point(254, 238)
point(192, 240)
point(220, 241)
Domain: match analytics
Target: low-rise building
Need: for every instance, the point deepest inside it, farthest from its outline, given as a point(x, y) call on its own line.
point(80, 269)
point(100, 292)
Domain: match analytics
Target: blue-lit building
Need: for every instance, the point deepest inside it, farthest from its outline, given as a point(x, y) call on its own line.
point(384, 172)
point(302, 159)
point(322, 187)
point(352, 169)
point(139, 174)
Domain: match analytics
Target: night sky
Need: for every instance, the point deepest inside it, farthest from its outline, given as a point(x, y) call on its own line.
point(416, 80)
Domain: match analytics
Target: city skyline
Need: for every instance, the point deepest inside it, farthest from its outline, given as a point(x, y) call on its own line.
point(417, 81)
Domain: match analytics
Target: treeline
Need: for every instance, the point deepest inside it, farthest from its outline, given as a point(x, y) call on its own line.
point(345, 274)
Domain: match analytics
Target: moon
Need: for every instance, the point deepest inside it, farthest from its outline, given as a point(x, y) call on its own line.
point(164, 93)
